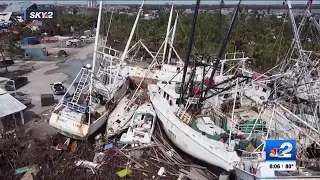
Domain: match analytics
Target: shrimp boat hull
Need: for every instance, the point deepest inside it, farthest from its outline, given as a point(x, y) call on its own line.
point(189, 145)
point(166, 73)
point(70, 123)
point(187, 139)
point(67, 127)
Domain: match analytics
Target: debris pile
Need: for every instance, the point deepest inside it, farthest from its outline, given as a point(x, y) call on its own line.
point(22, 156)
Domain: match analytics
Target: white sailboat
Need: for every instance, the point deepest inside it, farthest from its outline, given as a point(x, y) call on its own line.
point(86, 110)
point(119, 118)
point(141, 125)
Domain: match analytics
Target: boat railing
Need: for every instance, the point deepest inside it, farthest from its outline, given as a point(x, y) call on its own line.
point(183, 115)
point(255, 128)
point(76, 107)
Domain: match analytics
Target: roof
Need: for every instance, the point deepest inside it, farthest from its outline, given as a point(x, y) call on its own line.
point(11, 106)
point(17, 7)
point(5, 16)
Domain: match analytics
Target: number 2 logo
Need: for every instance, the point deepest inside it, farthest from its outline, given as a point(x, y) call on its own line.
point(287, 149)
point(50, 14)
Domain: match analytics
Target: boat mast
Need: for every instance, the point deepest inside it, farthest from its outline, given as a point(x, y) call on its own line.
point(167, 35)
point(94, 57)
point(191, 39)
point(128, 43)
point(224, 44)
point(172, 38)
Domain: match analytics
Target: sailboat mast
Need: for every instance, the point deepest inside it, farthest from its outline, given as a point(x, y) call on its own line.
point(167, 34)
point(128, 42)
point(191, 39)
point(224, 43)
point(172, 38)
point(95, 48)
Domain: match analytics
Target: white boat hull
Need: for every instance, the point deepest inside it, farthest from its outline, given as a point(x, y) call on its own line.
point(72, 126)
point(71, 129)
point(187, 143)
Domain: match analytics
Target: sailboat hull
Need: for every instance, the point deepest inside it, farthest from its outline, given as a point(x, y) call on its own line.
point(187, 143)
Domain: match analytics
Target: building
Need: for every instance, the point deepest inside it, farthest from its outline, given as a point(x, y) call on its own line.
point(9, 108)
point(92, 3)
point(19, 7)
point(5, 19)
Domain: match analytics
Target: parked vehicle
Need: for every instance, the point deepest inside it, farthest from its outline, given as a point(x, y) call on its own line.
point(58, 88)
point(15, 83)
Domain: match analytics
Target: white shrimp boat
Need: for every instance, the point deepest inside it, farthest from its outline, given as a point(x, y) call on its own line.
point(197, 136)
point(87, 109)
point(141, 125)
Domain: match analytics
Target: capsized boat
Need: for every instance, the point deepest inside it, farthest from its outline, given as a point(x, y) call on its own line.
point(119, 118)
point(141, 125)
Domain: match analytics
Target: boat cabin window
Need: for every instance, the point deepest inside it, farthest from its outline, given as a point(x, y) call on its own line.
point(177, 89)
point(264, 90)
point(227, 96)
point(178, 69)
point(167, 97)
point(164, 94)
point(142, 116)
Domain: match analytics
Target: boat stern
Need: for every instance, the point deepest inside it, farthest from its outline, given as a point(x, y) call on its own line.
point(234, 159)
point(67, 127)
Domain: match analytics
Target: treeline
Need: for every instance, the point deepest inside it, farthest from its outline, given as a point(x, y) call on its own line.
point(264, 38)
point(218, 6)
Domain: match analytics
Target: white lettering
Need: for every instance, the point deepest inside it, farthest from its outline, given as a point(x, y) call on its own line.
point(50, 15)
point(32, 15)
point(38, 15)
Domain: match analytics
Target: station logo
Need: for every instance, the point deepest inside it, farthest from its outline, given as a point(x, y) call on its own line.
point(39, 15)
point(280, 150)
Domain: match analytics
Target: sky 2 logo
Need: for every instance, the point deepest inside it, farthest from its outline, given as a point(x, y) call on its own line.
point(39, 15)
point(280, 150)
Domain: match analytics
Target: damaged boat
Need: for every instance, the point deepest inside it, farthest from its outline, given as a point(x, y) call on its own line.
point(86, 110)
point(141, 126)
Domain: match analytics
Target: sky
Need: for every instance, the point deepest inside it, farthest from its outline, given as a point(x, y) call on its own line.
point(257, 2)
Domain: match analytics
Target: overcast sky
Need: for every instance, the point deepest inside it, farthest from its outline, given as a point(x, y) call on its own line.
point(262, 2)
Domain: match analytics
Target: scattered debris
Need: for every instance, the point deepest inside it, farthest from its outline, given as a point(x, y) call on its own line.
point(108, 146)
point(20, 149)
point(74, 146)
point(32, 172)
point(161, 171)
point(21, 170)
point(124, 172)
point(87, 164)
